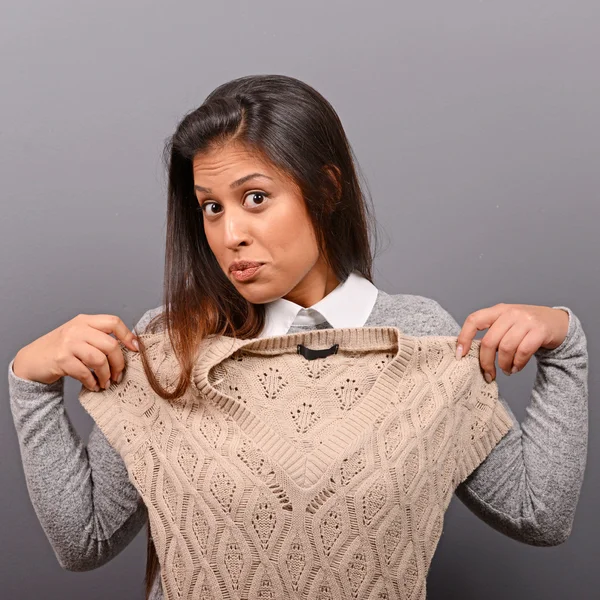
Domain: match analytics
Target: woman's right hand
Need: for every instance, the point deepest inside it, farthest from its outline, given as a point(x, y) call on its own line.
point(81, 344)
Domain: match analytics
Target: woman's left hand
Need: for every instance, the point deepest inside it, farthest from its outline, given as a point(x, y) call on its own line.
point(516, 331)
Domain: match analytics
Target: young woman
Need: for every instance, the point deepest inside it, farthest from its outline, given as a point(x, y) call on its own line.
point(268, 234)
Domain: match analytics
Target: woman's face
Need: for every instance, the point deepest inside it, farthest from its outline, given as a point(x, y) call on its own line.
point(252, 212)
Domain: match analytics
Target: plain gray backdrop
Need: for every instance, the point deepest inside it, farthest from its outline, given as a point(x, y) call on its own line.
point(476, 125)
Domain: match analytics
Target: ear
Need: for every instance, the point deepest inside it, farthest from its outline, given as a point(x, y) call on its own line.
point(335, 175)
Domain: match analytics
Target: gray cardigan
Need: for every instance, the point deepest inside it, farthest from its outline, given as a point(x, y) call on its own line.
point(527, 488)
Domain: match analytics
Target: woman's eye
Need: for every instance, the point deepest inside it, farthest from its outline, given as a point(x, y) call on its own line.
point(256, 198)
point(212, 205)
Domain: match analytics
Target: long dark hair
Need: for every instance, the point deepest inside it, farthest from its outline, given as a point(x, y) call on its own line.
point(291, 125)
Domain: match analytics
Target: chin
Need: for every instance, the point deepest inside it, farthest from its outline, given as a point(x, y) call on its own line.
point(258, 298)
point(259, 294)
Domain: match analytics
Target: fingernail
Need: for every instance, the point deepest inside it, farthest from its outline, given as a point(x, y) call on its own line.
point(107, 384)
point(135, 344)
point(505, 372)
point(514, 370)
point(120, 377)
point(459, 351)
point(97, 388)
point(488, 377)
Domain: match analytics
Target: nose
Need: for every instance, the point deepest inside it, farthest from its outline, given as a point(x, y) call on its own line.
point(235, 230)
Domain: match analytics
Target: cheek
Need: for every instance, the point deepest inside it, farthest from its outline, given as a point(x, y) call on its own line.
point(290, 228)
point(215, 242)
point(291, 240)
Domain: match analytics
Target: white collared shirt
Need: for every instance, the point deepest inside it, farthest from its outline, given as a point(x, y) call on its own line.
point(348, 305)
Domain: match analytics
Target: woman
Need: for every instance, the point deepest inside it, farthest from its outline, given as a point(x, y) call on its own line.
point(267, 234)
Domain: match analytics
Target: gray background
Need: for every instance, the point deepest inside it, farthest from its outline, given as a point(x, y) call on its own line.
point(476, 125)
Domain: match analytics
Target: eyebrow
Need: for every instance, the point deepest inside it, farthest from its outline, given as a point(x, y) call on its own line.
point(236, 183)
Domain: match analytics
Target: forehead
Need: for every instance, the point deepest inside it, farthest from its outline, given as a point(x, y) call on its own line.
point(222, 165)
point(229, 159)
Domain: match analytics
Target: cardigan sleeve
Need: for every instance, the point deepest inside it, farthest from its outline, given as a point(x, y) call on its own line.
point(83, 498)
point(529, 485)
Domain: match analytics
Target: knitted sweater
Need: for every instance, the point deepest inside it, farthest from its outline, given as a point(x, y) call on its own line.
point(283, 476)
point(527, 488)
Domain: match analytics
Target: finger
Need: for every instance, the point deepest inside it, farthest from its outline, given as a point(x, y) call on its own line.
point(490, 342)
point(113, 324)
point(94, 359)
point(509, 344)
point(79, 371)
point(110, 347)
point(476, 321)
point(528, 346)
point(76, 369)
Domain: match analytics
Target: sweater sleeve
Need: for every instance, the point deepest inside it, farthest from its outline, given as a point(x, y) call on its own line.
point(86, 504)
point(529, 485)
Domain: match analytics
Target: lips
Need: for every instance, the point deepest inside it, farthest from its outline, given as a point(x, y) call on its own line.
point(242, 265)
point(244, 270)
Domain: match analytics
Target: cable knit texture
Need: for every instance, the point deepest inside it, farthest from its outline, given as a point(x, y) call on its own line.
point(276, 476)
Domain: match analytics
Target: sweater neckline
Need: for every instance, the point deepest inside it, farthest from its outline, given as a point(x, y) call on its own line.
point(306, 468)
point(220, 348)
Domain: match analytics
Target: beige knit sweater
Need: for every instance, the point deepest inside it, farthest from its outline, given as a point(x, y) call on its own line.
point(279, 477)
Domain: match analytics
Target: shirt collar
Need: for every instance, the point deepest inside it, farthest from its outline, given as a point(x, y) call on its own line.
point(348, 305)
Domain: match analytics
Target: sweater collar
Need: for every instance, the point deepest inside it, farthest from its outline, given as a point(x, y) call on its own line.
point(219, 348)
point(348, 305)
